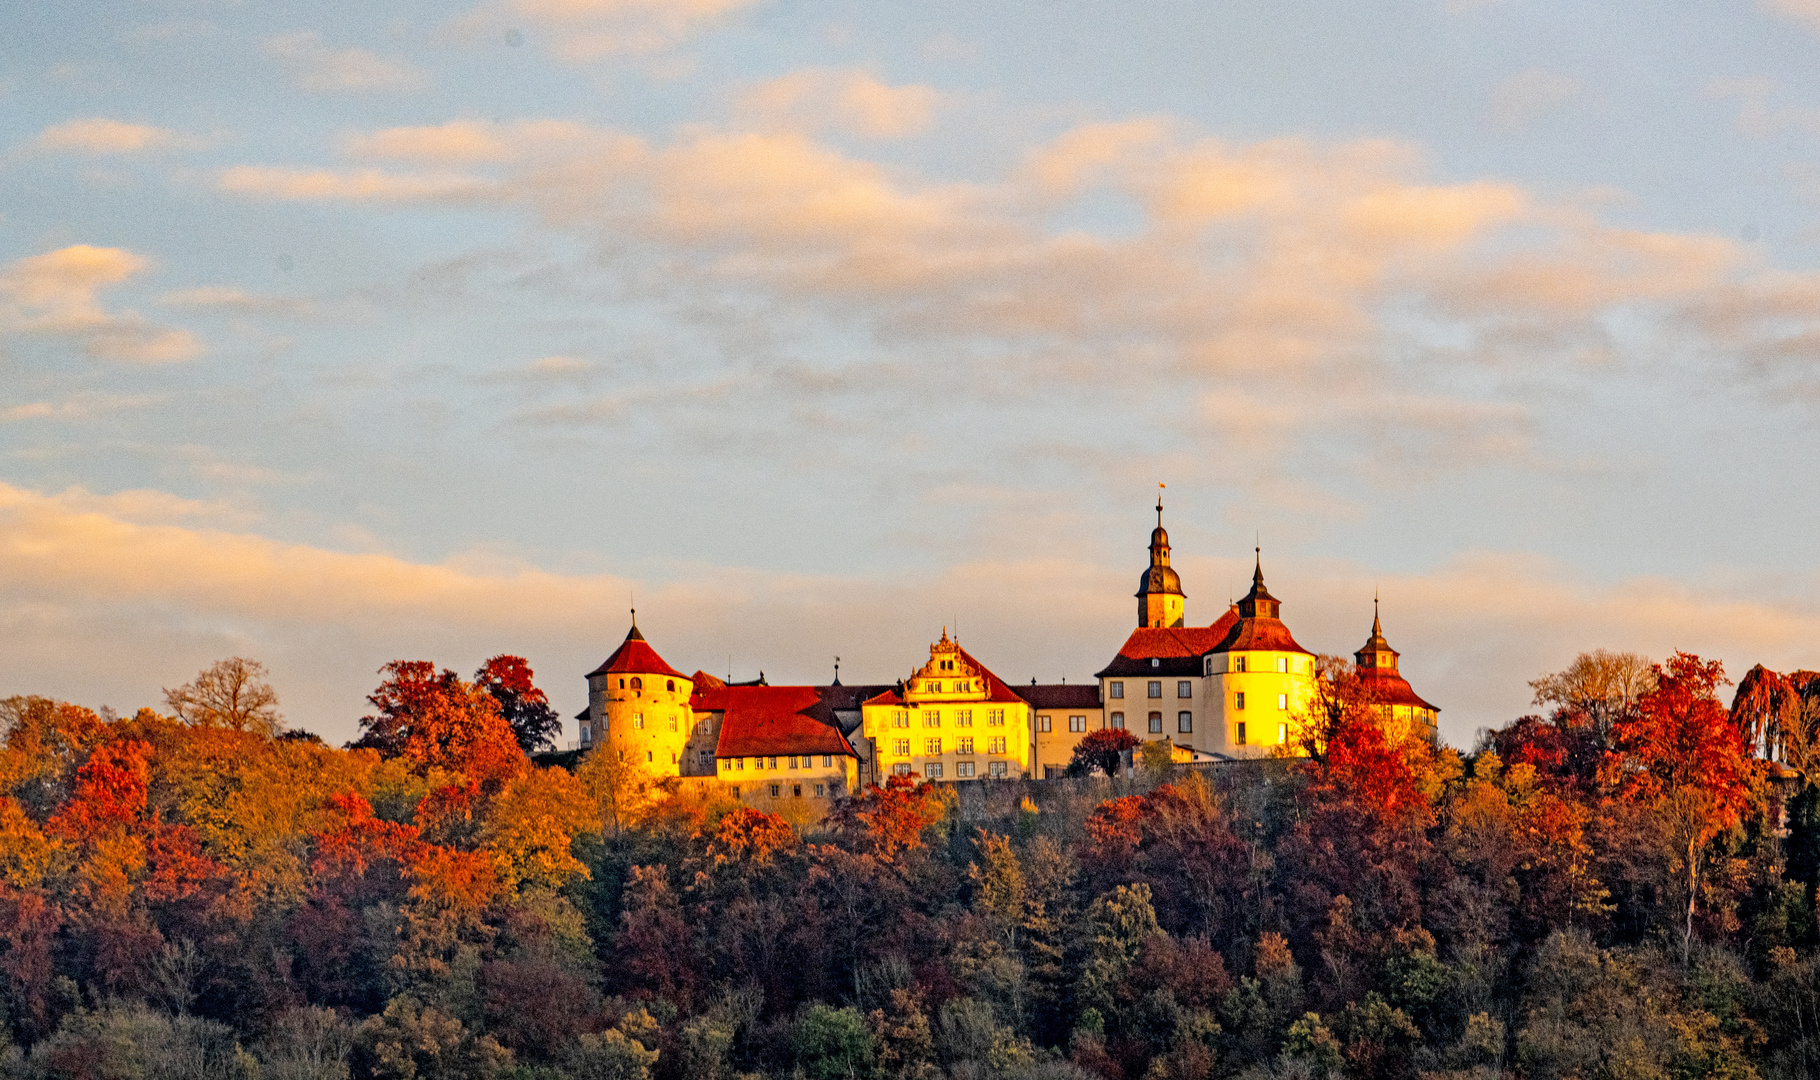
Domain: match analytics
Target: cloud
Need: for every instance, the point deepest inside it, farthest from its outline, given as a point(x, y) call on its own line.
point(1805, 11)
point(318, 66)
point(346, 185)
point(818, 99)
point(78, 409)
point(98, 135)
point(54, 294)
point(1528, 96)
point(582, 30)
point(151, 581)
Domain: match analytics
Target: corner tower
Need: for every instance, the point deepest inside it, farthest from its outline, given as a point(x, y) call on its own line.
point(1161, 601)
point(1403, 711)
point(638, 707)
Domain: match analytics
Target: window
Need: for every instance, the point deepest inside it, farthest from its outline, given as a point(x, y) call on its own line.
point(1156, 688)
point(793, 762)
point(736, 791)
point(821, 791)
point(934, 771)
point(1118, 689)
point(901, 747)
point(1184, 722)
point(995, 718)
point(638, 721)
point(1238, 663)
point(963, 746)
point(706, 756)
point(1118, 721)
point(900, 718)
point(622, 684)
point(1238, 700)
point(1282, 733)
point(672, 723)
point(932, 746)
point(727, 764)
point(1208, 666)
point(997, 770)
point(637, 683)
point(796, 790)
point(1184, 688)
point(995, 745)
point(1154, 662)
point(1156, 723)
point(932, 718)
point(1077, 723)
point(670, 685)
point(673, 758)
point(1282, 701)
point(964, 769)
point(902, 768)
point(584, 734)
point(773, 763)
point(1042, 723)
point(774, 791)
point(1241, 733)
point(739, 763)
point(827, 761)
point(1283, 664)
point(648, 757)
point(962, 687)
point(935, 687)
point(963, 718)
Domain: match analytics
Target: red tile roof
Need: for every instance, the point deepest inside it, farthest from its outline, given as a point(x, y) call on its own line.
point(634, 655)
point(1260, 634)
point(1178, 647)
point(1387, 687)
point(768, 721)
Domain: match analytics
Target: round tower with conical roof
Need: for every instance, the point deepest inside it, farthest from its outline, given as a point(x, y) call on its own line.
point(1161, 601)
point(638, 707)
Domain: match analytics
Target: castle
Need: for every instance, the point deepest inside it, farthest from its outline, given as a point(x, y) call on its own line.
point(1234, 689)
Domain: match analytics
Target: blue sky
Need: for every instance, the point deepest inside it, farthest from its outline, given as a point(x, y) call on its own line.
point(334, 334)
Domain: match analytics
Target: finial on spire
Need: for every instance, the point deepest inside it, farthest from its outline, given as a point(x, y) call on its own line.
point(837, 671)
point(1377, 628)
point(1159, 504)
point(1257, 573)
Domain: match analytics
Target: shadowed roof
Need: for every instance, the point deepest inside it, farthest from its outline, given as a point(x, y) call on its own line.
point(1062, 695)
point(1179, 648)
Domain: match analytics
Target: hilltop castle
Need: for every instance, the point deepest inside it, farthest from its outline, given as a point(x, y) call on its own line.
point(1234, 689)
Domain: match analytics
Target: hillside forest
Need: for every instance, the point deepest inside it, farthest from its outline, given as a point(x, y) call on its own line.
point(1619, 886)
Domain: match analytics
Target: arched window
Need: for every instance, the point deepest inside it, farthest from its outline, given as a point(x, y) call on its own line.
point(622, 684)
point(637, 683)
point(670, 685)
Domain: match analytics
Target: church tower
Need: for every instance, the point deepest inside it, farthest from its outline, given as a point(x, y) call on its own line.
point(1403, 711)
point(638, 707)
point(1159, 596)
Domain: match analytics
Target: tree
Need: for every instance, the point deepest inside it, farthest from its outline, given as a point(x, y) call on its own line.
point(230, 694)
point(1679, 751)
point(1101, 750)
point(525, 708)
point(438, 721)
point(1598, 688)
point(835, 1044)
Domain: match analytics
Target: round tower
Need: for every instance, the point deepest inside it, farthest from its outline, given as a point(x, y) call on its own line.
point(638, 707)
point(1161, 601)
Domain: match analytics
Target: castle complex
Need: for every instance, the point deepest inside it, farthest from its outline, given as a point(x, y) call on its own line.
point(1235, 689)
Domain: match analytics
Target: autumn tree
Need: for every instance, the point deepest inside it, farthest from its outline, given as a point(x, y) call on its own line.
point(1101, 751)
point(525, 708)
point(1598, 689)
point(436, 720)
point(230, 694)
point(1680, 752)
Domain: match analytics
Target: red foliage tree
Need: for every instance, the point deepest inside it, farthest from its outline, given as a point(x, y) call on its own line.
point(890, 820)
point(525, 708)
point(1681, 753)
point(1101, 750)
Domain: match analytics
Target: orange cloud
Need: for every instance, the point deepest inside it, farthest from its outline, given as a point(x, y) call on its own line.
point(582, 30)
point(99, 135)
point(817, 99)
point(318, 66)
point(54, 294)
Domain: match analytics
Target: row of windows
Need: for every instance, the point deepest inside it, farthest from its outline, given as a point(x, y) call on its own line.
point(936, 688)
point(1075, 723)
point(932, 718)
point(1184, 688)
point(994, 745)
point(1239, 663)
point(1238, 700)
point(638, 721)
point(796, 790)
point(963, 770)
point(639, 684)
point(808, 762)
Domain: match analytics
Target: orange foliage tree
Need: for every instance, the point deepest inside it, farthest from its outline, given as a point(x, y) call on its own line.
point(436, 720)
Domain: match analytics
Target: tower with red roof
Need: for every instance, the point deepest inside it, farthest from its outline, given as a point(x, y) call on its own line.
point(638, 708)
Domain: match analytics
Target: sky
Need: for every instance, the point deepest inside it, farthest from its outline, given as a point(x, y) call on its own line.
point(333, 334)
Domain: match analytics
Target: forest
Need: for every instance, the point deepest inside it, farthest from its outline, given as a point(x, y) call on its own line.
point(1618, 886)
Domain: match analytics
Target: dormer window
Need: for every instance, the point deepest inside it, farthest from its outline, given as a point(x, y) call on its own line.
point(1154, 662)
point(670, 685)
